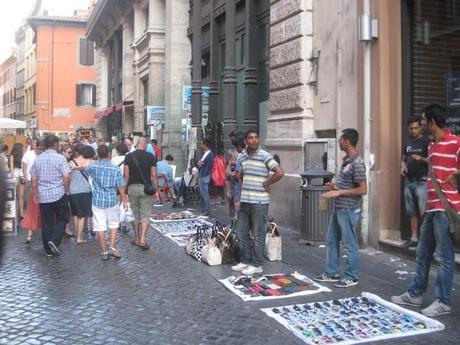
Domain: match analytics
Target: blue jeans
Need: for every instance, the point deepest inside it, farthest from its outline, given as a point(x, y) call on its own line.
point(415, 195)
point(255, 215)
point(203, 183)
point(435, 235)
point(342, 227)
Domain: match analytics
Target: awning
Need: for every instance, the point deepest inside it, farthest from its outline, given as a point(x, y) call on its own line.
point(117, 107)
point(11, 123)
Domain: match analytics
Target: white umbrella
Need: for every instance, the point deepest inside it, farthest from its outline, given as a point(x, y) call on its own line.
point(11, 123)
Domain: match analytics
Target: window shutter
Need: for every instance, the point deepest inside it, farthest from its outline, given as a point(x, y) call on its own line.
point(90, 50)
point(78, 94)
point(93, 95)
point(83, 51)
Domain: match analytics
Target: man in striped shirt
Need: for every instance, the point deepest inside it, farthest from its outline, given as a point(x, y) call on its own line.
point(347, 192)
point(444, 156)
point(256, 165)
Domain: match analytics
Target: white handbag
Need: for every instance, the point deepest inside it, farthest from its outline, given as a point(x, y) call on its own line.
point(273, 243)
point(211, 254)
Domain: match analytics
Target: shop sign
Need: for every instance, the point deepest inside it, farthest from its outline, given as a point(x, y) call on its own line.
point(155, 115)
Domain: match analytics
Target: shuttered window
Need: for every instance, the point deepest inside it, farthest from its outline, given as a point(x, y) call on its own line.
point(86, 95)
point(86, 52)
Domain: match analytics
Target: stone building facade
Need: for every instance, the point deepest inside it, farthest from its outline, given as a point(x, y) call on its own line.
point(8, 87)
point(143, 57)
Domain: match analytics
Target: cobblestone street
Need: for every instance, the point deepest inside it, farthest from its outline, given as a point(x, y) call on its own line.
point(161, 296)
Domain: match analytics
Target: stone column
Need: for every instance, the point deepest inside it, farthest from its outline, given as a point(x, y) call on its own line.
point(196, 59)
point(230, 69)
point(251, 118)
point(128, 74)
point(214, 75)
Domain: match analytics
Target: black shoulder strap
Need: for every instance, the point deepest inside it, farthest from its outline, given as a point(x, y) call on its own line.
point(136, 163)
point(121, 163)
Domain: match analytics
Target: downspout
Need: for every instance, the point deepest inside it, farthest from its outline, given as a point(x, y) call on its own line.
point(367, 32)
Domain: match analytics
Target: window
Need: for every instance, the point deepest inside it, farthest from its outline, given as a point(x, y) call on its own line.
point(86, 95)
point(86, 52)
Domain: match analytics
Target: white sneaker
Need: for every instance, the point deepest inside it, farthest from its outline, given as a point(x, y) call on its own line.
point(239, 267)
point(437, 308)
point(407, 299)
point(250, 270)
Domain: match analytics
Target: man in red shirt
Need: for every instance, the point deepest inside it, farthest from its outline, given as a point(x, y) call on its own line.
point(444, 156)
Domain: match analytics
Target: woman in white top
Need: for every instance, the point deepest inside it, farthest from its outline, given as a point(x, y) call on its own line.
point(119, 159)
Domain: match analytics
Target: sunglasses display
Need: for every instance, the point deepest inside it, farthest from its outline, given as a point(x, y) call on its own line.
point(351, 320)
point(180, 227)
point(272, 286)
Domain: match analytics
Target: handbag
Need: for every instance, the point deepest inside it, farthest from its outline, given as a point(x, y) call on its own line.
point(211, 254)
point(273, 243)
point(149, 188)
point(189, 244)
point(199, 243)
point(454, 219)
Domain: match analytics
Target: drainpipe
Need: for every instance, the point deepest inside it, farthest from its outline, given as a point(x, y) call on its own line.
point(367, 32)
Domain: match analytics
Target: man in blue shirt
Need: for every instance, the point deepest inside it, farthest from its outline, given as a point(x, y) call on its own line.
point(204, 174)
point(165, 174)
point(107, 179)
point(50, 181)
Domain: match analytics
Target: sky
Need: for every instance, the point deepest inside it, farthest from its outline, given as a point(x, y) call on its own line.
point(13, 13)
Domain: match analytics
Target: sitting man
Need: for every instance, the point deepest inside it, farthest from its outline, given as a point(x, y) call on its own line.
point(166, 176)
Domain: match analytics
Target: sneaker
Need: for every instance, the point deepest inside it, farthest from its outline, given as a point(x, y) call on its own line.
point(407, 299)
point(344, 283)
point(53, 248)
point(250, 270)
point(326, 277)
point(437, 308)
point(105, 256)
point(410, 244)
point(115, 253)
point(239, 267)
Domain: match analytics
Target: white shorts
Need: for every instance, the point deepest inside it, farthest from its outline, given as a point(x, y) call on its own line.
point(105, 218)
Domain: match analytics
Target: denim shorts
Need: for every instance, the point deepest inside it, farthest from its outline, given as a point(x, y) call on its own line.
point(415, 195)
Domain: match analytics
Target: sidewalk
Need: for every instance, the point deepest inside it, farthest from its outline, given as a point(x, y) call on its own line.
point(162, 296)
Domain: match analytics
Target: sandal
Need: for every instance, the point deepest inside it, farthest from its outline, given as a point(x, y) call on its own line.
point(144, 246)
point(28, 239)
point(133, 242)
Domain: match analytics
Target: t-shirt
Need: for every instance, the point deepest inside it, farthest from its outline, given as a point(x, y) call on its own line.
point(256, 168)
point(145, 160)
point(445, 159)
point(417, 169)
point(29, 159)
point(351, 173)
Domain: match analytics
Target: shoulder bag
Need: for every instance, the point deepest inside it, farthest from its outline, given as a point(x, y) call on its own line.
point(273, 243)
point(454, 220)
point(149, 188)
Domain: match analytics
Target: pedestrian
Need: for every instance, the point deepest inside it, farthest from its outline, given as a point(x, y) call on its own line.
point(435, 237)
point(204, 175)
point(27, 162)
point(113, 146)
point(415, 175)
point(256, 165)
point(129, 144)
point(15, 161)
point(233, 187)
point(156, 149)
point(50, 181)
point(346, 213)
point(119, 158)
point(80, 189)
point(32, 219)
point(4, 159)
point(140, 169)
point(106, 180)
point(166, 176)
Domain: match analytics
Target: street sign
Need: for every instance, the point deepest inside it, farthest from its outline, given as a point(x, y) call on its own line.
point(155, 115)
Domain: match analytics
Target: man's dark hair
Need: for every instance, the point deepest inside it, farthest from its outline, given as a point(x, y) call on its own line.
point(206, 142)
point(351, 135)
point(169, 158)
point(277, 158)
point(239, 141)
point(78, 148)
point(103, 151)
point(122, 149)
point(88, 152)
point(154, 141)
point(5, 148)
point(435, 112)
point(50, 141)
point(414, 119)
point(250, 131)
point(235, 133)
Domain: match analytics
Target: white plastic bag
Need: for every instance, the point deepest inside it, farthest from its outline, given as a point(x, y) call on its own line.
point(126, 216)
point(273, 243)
